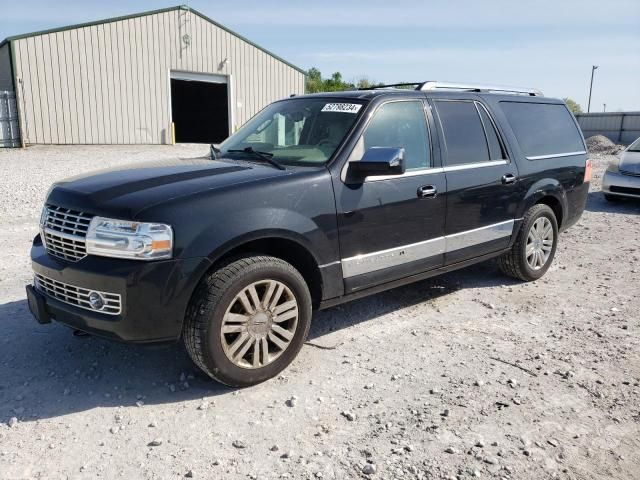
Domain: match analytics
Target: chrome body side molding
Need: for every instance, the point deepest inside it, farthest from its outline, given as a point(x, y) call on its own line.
point(431, 171)
point(370, 262)
point(469, 238)
point(467, 166)
point(556, 155)
point(393, 257)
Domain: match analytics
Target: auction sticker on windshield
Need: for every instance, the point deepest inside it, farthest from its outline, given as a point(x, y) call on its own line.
point(342, 107)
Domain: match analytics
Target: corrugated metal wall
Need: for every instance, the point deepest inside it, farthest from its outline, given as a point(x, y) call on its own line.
point(109, 83)
point(6, 78)
point(620, 127)
point(9, 131)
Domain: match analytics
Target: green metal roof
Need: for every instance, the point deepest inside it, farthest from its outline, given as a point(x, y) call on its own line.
point(144, 14)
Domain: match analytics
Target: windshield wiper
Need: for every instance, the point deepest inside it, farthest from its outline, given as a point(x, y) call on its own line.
point(215, 152)
point(266, 156)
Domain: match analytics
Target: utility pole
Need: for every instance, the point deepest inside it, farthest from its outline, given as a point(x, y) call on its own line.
point(604, 107)
point(593, 69)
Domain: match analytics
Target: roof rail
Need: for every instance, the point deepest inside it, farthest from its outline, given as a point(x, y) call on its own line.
point(433, 85)
point(391, 85)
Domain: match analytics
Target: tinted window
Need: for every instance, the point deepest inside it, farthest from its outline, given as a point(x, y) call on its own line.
point(402, 125)
point(496, 151)
point(543, 128)
point(463, 132)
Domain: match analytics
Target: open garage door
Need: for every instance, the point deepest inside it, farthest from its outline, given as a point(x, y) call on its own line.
point(199, 107)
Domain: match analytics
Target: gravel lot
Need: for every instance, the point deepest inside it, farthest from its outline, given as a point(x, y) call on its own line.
point(466, 375)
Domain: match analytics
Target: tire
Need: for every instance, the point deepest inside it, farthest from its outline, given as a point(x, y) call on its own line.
point(515, 263)
point(226, 298)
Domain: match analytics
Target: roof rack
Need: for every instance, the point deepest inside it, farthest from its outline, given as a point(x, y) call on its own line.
point(465, 87)
point(433, 85)
point(391, 85)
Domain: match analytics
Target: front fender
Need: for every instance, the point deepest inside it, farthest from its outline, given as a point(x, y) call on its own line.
point(299, 207)
point(245, 226)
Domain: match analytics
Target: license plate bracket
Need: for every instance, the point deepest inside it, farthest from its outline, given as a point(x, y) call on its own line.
point(37, 305)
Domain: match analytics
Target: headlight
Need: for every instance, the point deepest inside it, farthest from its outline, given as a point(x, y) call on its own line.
point(125, 239)
point(43, 216)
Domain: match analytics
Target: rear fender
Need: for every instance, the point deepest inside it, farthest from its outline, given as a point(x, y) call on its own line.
point(546, 187)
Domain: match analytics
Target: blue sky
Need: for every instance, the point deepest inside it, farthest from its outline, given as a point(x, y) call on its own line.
point(547, 44)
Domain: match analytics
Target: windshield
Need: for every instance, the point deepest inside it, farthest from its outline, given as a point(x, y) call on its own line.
point(635, 146)
point(303, 131)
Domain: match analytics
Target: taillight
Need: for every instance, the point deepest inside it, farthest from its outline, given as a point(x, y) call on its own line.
point(587, 171)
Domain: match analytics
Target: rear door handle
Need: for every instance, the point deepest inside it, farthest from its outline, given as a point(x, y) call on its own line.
point(509, 178)
point(427, 191)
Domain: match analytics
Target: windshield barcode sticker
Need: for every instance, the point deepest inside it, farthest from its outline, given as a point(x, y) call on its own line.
point(342, 107)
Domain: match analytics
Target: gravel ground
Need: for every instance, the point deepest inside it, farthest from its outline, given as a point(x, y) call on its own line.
point(466, 375)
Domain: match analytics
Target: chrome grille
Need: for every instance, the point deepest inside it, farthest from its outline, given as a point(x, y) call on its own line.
point(77, 296)
point(64, 232)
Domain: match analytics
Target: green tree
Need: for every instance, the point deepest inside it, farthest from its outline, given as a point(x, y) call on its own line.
point(315, 82)
point(573, 105)
point(365, 82)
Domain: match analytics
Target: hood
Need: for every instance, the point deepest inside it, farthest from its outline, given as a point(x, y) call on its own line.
point(126, 190)
point(630, 162)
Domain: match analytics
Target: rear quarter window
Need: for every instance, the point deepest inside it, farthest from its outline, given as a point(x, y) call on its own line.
point(543, 129)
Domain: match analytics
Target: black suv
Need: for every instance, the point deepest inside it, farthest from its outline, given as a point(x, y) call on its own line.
point(317, 200)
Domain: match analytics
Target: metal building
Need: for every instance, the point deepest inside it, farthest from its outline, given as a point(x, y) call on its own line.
point(140, 79)
point(619, 127)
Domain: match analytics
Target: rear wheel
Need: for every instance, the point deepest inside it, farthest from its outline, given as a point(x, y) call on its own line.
point(535, 246)
point(248, 320)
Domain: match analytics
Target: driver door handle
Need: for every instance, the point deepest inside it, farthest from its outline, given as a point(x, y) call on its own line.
point(509, 178)
point(427, 191)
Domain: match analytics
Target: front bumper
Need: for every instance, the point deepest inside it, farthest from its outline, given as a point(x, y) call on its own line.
point(615, 183)
point(154, 295)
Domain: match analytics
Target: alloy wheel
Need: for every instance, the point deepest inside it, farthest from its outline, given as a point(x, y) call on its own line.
point(259, 324)
point(539, 243)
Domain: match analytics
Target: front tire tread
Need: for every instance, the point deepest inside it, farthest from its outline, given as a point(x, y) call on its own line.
point(206, 297)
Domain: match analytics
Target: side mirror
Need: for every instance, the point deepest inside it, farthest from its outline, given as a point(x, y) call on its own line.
point(379, 161)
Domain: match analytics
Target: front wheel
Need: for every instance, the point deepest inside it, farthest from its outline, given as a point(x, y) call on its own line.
point(248, 320)
point(535, 246)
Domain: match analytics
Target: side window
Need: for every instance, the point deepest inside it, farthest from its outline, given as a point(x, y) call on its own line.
point(402, 125)
point(496, 152)
point(543, 129)
point(463, 132)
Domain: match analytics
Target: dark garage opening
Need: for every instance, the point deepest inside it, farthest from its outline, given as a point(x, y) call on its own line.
point(200, 111)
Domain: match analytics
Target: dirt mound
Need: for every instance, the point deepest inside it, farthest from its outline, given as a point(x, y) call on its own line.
point(601, 144)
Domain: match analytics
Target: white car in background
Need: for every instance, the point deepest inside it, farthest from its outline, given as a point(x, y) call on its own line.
point(622, 178)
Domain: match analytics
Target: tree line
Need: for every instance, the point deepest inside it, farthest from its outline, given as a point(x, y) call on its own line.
point(335, 83)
